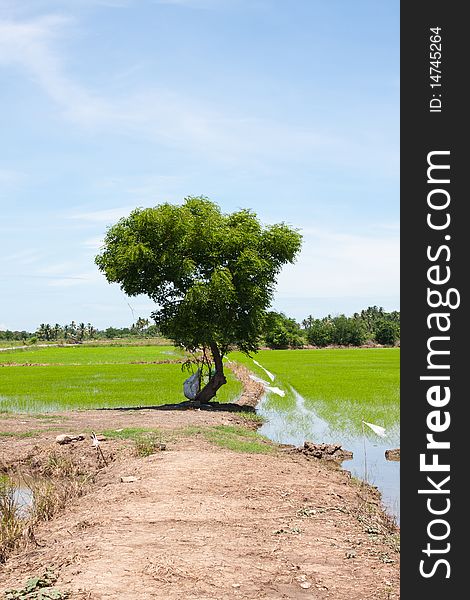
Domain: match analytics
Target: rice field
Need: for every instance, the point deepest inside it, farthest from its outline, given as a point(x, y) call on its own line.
point(83, 377)
point(344, 386)
point(90, 355)
point(328, 394)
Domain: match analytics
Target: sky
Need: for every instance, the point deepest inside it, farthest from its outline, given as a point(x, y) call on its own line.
point(288, 108)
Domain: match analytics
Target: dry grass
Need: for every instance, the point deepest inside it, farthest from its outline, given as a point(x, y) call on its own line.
point(55, 480)
point(11, 524)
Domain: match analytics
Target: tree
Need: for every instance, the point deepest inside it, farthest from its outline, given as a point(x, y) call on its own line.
point(212, 275)
point(44, 331)
point(81, 330)
point(347, 332)
point(387, 332)
point(140, 325)
point(281, 331)
point(319, 332)
point(370, 317)
point(57, 331)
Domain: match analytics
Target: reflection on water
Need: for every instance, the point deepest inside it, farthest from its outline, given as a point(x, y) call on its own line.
point(294, 420)
point(23, 499)
point(19, 498)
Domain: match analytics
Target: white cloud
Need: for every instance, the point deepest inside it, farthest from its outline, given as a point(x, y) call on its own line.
point(93, 243)
point(74, 280)
point(30, 45)
point(56, 269)
point(174, 119)
point(15, 7)
point(334, 264)
point(23, 257)
point(109, 215)
point(144, 189)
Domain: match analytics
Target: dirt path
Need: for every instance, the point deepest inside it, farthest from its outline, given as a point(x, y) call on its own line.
point(204, 522)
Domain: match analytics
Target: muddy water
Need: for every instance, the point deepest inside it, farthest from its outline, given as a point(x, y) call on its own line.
point(295, 421)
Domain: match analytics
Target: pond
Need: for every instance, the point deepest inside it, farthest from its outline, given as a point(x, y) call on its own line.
point(15, 496)
point(23, 499)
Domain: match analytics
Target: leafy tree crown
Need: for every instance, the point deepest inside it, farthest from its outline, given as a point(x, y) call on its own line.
point(211, 274)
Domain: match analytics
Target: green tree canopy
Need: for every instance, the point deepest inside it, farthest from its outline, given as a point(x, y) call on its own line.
point(212, 275)
point(281, 331)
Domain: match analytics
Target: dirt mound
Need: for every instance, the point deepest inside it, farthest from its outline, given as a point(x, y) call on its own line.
point(325, 451)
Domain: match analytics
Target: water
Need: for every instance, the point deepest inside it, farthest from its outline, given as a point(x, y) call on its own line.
point(23, 498)
point(17, 496)
point(294, 421)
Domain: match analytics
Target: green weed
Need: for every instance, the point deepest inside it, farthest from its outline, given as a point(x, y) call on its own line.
point(38, 588)
point(235, 438)
point(147, 441)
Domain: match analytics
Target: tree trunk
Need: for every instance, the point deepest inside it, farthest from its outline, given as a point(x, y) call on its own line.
point(216, 381)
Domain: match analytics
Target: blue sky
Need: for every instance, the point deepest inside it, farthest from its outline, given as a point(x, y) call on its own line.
point(289, 108)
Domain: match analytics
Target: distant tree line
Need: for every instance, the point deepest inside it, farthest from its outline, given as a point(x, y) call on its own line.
point(78, 332)
point(372, 325)
point(9, 335)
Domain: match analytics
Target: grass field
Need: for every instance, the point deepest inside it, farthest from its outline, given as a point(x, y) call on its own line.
point(343, 385)
point(87, 377)
point(89, 355)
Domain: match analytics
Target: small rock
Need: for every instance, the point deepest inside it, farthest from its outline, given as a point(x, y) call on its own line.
point(325, 451)
point(393, 454)
point(64, 438)
point(235, 585)
point(129, 479)
point(305, 585)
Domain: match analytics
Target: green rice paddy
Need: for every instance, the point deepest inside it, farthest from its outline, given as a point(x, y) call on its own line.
point(90, 377)
point(343, 386)
point(90, 355)
point(328, 393)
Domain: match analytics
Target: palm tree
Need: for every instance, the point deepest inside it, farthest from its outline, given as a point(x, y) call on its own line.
point(48, 331)
point(141, 324)
point(41, 331)
point(81, 331)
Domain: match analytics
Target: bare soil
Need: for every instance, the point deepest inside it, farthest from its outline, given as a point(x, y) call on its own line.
point(198, 521)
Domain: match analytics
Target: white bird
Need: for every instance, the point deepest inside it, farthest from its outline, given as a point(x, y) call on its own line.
point(380, 431)
point(268, 373)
